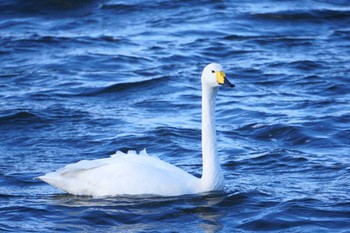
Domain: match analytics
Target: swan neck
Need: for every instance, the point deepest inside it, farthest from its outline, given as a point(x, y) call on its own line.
point(212, 178)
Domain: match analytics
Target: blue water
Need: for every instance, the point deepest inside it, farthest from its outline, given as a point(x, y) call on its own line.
point(83, 79)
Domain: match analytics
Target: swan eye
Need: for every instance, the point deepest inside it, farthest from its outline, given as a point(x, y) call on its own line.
point(213, 71)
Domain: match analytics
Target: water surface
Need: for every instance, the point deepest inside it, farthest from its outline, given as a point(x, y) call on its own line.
point(83, 79)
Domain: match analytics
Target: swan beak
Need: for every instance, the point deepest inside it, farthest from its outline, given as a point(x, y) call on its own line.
point(222, 80)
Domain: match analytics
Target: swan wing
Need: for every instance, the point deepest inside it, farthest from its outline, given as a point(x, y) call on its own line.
point(131, 173)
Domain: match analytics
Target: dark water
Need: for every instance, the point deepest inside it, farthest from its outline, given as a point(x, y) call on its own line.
point(83, 79)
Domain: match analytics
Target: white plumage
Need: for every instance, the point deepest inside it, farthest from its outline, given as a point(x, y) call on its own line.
point(137, 174)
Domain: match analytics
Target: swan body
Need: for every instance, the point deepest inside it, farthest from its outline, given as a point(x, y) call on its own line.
point(137, 174)
point(131, 173)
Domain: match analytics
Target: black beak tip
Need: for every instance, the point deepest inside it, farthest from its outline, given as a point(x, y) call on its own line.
point(228, 84)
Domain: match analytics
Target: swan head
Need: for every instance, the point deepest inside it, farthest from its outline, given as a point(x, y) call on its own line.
point(214, 76)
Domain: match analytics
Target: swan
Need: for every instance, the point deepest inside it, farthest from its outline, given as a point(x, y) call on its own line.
point(134, 173)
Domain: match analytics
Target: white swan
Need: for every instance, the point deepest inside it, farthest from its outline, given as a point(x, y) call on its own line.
point(136, 174)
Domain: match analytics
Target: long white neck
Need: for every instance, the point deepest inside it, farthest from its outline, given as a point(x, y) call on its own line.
point(212, 177)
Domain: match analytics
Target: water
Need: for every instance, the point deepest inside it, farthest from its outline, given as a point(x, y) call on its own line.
point(83, 79)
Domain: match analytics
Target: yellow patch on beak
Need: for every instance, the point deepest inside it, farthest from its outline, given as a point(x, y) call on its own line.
point(220, 77)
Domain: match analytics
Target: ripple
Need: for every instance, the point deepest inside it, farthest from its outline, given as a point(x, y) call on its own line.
point(306, 65)
point(20, 117)
point(82, 79)
point(298, 15)
point(127, 87)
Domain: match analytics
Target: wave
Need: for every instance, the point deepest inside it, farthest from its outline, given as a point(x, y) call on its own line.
point(45, 117)
point(130, 87)
point(288, 133)
point(47, 7)
point(277, 160)
point(20, 117)
point(21, 179)
point(299, 15)
point(286, 38)
point(120, 7)
point(306, 65)
point(294, 214)
point(343, 34)
point(42, 40)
